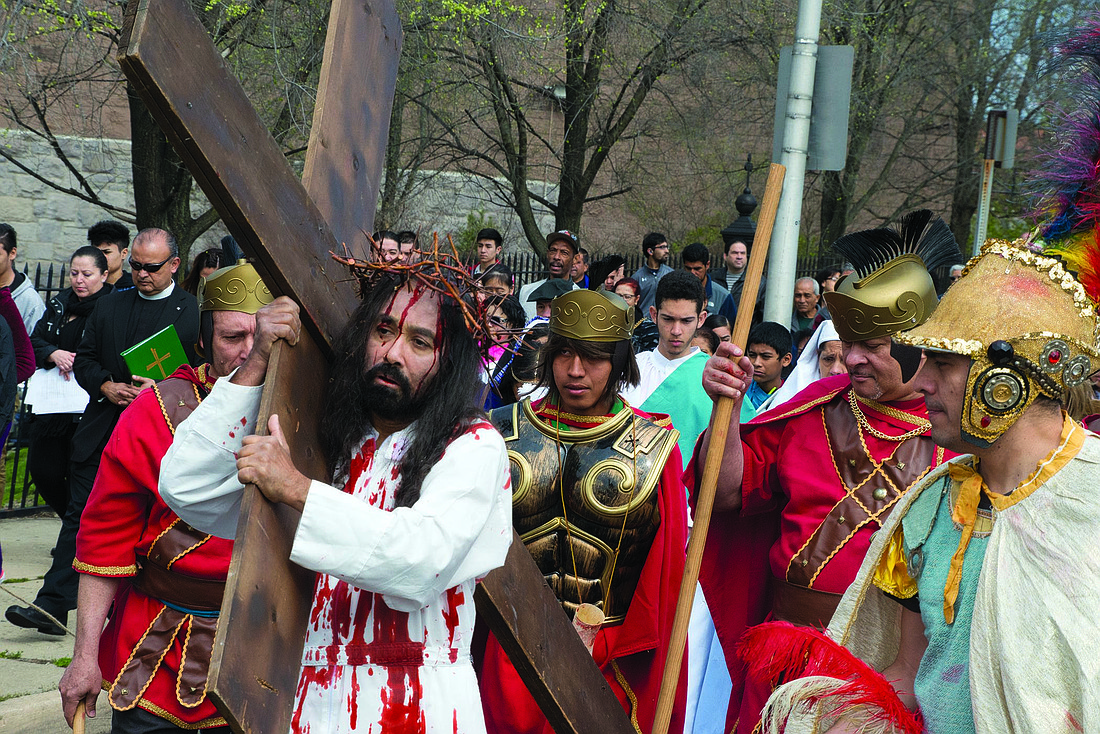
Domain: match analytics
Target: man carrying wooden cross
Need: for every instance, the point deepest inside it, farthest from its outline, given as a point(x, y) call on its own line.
point(420, 514)
point(805, 485)
point(599, 503)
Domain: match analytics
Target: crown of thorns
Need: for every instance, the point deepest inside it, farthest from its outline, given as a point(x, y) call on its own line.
point(439, 270)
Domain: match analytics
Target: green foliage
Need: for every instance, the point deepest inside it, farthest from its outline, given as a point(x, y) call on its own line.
point(459, 14)
point(11, 654)
point(61, 662)
point(475, 222)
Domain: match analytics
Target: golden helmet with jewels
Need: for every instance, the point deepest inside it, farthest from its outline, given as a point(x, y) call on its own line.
point(1028, 326)
point(1025, 312)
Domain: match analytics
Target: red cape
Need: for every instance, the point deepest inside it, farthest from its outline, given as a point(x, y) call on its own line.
point(123, 517)
point(736, 574)
point(638, 646)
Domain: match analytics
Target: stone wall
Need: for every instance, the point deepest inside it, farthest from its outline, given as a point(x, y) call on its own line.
point(51, 223)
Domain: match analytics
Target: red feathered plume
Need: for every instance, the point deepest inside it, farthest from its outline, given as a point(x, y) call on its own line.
point(779, 651)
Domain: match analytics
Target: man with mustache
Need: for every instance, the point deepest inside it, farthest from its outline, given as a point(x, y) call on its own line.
point(805, 485)
point(599, 503)
point(419, 511)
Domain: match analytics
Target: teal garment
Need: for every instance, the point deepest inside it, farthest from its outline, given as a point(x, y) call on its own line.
point(930, 539)
point(682, 398)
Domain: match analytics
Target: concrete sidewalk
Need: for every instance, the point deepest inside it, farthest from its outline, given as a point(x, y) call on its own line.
point(31, 663)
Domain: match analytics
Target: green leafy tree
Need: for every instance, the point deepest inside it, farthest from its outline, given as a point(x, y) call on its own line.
point(61, 78)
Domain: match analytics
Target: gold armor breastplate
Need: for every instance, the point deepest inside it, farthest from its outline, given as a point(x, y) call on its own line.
point(608, 491)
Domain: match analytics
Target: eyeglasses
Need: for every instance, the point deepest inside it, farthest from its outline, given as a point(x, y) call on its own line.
point(148, 267)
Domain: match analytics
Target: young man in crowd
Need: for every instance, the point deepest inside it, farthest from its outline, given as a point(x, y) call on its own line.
point(606, 521)
point(696, 258)
point(732, 276)
point(670, 376)
point(787, 537)
point(655, 250)
point(30, 304)
point(113, 240)
point(769, 351)
point(487, 248)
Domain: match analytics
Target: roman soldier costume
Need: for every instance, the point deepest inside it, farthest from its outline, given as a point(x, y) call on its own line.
point(155, 651)
point(598, 502)
point(824, 470)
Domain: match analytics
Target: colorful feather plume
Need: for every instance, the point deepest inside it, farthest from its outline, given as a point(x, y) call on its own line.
point(920, 235)
point(779, 651)
point(1067, 182)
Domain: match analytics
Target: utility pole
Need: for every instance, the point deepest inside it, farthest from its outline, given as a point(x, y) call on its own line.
point(783, 255)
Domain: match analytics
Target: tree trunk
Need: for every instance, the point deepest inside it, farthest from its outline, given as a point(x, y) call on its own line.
point(162, 184)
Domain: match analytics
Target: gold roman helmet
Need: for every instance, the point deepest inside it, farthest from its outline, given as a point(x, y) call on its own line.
point(1028, 326)
point(591, 316)
point(234, 288)
point(890, 289)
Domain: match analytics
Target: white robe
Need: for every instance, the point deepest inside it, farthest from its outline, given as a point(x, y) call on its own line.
point(1033, 636)
point(399, 578)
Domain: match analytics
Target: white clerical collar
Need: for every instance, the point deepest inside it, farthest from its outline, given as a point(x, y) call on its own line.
point(162, 295)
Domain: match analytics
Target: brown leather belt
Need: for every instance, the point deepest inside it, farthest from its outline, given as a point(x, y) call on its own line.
point(189, 592)
point(802, 606)
point(155, 580)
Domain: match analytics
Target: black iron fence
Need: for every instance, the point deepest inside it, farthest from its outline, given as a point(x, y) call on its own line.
point(19, 494)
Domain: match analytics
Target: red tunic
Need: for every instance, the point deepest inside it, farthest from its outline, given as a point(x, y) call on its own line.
point(630, 655)
point(123, 517)
point(790, 485)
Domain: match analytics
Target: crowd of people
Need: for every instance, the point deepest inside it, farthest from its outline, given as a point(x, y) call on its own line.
point(876, 439)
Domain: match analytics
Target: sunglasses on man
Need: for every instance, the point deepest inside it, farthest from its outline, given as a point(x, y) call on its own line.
point(148, 267)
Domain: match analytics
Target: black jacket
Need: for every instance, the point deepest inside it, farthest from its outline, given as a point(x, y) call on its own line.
point(56, 331)
point(99, 357)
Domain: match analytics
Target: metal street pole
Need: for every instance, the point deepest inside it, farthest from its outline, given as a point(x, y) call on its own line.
point(783, 255)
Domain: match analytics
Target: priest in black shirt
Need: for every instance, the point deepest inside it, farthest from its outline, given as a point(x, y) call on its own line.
point(119, 321)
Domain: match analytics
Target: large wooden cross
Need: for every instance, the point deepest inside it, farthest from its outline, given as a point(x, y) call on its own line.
point(288, 232)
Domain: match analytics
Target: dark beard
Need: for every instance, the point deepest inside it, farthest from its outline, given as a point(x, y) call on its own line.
point(392, 403)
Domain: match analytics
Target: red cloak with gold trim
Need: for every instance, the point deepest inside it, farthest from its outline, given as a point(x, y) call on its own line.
point(792, 480)
point(123, 517)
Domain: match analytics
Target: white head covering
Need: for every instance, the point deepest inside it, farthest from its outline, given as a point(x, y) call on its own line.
point(806, 371)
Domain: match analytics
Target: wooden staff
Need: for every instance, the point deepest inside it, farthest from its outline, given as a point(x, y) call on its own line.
point(723, 414)
point(78, 718)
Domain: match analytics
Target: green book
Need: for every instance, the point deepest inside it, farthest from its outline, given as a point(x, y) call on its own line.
point(156, 357)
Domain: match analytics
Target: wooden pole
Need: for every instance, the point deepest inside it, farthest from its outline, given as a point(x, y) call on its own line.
point(723, 414)
point(78, 718)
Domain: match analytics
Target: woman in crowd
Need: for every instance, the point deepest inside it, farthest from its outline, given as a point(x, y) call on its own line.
point(497, 280)
point(822, 357)
point(506, 319)
point(205, 263)
point(720, 325)
point(629, 290)
point(55, 339)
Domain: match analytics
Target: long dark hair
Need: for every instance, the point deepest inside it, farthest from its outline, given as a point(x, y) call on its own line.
point(449, 401)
